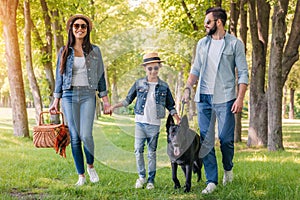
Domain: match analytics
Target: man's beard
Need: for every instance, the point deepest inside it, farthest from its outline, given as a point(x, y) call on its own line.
point(212, 30)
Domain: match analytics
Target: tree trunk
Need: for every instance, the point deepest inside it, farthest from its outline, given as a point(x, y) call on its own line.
point(291, 111)
point(275, 76)
point(114, 89)
point(243, 35)
point(8, 11)
point(291, 50)
point(47, 50)
point(284, 102)
point(218, 3)
point(258, 122)
point(178, 91)
point(31, 76)
point(57, 28)
point(234, 17)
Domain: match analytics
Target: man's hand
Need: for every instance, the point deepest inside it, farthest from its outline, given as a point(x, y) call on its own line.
point(186, 95)
point(237, 106)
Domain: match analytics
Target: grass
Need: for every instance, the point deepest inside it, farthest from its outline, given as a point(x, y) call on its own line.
point(27, 172)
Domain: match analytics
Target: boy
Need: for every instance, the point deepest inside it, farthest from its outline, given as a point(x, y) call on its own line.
point(153, 96)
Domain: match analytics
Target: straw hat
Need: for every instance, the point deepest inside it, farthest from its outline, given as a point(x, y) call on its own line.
point(79, 16)
point(151, 58)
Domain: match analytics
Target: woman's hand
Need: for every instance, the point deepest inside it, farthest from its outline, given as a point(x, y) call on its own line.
point(107, 108)
point(53, 109)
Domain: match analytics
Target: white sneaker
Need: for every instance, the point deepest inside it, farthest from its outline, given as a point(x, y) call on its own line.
point(94, 178)
point(209, 188)
point(228, 177)
point(81, 181)
point(150, 186)
point(140, 183)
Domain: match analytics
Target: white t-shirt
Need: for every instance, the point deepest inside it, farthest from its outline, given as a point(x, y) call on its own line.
point(150, 115)
point(79, 72)
point(210, 72)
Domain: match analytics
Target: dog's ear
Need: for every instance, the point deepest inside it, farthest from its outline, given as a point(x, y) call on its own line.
point(184, 122)
point(170, 122)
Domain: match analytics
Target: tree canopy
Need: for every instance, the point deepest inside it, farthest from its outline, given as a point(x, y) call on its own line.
point(126, 29)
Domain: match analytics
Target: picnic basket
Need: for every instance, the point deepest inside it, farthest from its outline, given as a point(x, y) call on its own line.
point(51, 135)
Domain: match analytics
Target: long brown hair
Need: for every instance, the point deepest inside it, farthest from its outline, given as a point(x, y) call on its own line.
point(86, 45)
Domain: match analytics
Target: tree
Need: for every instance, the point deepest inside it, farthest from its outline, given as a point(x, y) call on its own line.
point(265, 104)
point(292, 84)
point(8, 11)
point(31, 76)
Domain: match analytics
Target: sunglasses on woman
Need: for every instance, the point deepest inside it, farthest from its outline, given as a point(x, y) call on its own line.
point(82, 26)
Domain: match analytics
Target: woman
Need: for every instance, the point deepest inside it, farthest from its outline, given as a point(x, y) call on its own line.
point(79, 73)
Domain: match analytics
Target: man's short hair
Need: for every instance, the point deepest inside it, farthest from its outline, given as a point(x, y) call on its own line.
point(218, 13)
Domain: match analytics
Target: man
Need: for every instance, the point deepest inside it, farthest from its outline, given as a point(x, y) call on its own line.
point(217, 57)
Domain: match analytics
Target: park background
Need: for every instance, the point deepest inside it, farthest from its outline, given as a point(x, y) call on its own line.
point(267, 132)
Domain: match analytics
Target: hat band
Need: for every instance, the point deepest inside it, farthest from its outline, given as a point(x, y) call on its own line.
point(151, 59)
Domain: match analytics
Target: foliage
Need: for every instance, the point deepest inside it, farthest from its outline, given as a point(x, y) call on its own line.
point(31, 173)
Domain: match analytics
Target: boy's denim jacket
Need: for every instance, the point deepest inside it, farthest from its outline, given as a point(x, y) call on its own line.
point(95, 72)
point(163, 97)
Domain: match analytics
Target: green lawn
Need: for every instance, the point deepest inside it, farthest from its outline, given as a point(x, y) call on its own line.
point(27, 172)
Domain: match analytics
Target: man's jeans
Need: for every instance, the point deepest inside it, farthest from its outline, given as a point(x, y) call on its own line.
point(79, 106)
point(207, 114)
point(146, 132)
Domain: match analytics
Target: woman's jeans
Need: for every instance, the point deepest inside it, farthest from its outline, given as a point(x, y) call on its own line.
point(146, 132)
point(79, 105)
point(207, 115)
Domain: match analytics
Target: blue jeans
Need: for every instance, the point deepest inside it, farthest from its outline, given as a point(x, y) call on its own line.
point(207, 115)
point(146, 132)
point(79, 106)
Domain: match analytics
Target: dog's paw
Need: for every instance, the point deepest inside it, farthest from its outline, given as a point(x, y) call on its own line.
point(177, 186)
point(187, 189)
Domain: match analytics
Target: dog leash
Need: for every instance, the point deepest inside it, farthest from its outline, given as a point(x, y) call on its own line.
point(182, 107)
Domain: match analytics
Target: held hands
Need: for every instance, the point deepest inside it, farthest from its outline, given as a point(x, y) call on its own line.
point(106, 108)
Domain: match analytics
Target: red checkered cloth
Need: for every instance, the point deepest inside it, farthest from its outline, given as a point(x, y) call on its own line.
point(62, 140)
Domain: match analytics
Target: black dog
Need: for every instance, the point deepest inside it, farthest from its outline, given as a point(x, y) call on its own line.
point(183, 150)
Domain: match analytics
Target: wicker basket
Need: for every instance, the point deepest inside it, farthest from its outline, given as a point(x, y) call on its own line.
point(51, 135)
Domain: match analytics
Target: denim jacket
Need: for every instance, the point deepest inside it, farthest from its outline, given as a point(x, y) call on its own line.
point(163, 97)
point(95, 72)
point(232, 57)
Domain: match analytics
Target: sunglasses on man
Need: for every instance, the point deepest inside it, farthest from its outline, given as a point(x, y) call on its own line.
point(82, 26)
point(208, 21)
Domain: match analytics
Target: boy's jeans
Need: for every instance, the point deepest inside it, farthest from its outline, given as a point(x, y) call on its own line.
point(146, 132)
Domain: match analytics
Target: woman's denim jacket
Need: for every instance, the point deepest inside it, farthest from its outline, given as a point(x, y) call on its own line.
point(163, 97)
point(95, 72)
